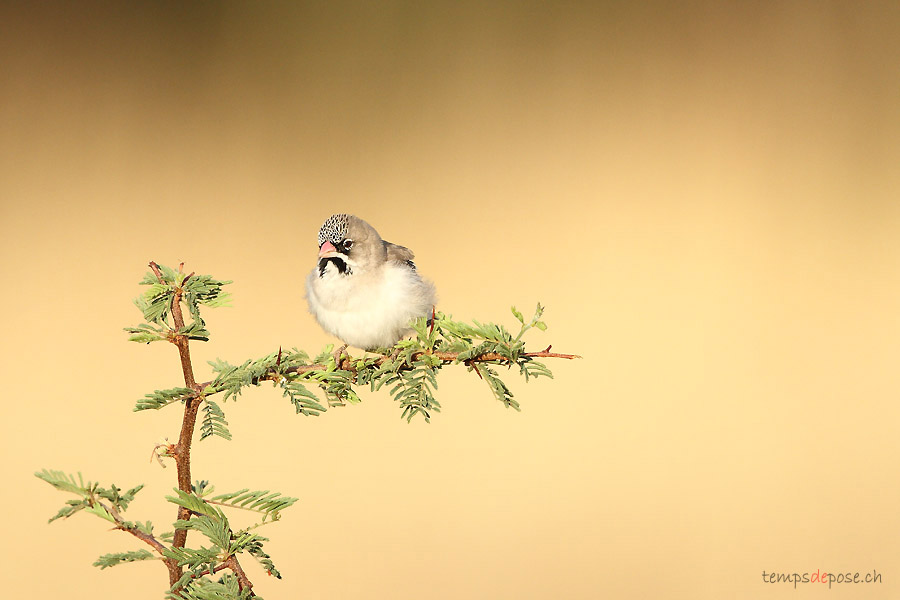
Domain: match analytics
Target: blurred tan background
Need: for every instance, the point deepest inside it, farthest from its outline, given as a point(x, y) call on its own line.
point(704, 195)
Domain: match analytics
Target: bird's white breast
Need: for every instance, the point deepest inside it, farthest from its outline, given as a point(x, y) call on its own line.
point(368, 309)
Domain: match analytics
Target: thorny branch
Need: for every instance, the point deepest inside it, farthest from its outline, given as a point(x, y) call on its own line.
point(348, 363)
point(123, 526)
point(157, 311)
point(232, 563)
point(182, 450)
point(183, 447)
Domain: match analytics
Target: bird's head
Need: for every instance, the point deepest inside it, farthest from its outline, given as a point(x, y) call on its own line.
point(350, 244)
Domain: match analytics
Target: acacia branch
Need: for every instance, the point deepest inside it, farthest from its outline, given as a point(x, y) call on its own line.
point(145, 537)
point(182, 451)
point(123, 526)
point(230, 563)
point(148, 539)
point(348, 363)
point(243, 582)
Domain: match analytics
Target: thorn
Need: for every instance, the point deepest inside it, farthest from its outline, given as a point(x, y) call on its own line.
point(278, 360)
point(155, 268)
point(337, 356)
point(431, 329)
point(474, 366)
point(547, 349)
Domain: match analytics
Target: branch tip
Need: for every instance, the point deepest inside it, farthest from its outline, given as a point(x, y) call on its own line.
point(155, 268)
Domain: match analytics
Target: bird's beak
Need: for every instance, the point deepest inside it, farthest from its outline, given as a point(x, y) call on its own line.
point(327, 250)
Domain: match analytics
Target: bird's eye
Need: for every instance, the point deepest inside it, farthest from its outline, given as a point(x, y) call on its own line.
point(347, 245)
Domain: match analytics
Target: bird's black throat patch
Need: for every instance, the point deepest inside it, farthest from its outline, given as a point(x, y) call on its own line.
point(342, 267)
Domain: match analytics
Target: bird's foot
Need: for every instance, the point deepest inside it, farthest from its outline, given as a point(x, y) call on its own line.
point(395, 353)
point(336, 355)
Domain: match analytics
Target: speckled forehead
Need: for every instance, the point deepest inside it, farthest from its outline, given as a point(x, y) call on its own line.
point(334, 229)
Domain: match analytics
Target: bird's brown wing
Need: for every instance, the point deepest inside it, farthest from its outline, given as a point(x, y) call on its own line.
point(399, 253)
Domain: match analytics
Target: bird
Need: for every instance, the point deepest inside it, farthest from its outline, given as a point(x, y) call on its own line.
point(364, 290)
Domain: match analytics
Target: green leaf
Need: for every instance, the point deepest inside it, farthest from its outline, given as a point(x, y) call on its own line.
point(531, 368)
point(101, 512)
point(145, 333)
point(414, 390)
point(72, 507)
point(269, 504)
point(255, 549)
point(169, 274)
point(517, 315)
point(117, 558)
point(195, 504)
point(119, 501)
point(214, 422)
point(89, 495)
point(195, 330)
point(202, 588)
point(498, 387)
point(161, 398)
point(214, 528)
point(304, 401)
point(193, 558)
point(202, 488)
point(63, 481)
point(337, 385)
point(145, 527)
point(155, 303)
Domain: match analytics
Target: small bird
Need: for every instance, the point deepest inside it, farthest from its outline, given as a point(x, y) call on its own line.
point(364, 290)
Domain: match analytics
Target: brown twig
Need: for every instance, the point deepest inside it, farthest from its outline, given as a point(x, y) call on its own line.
point(145, 537)
point(191, 406)
point(148, 539)
point(155, 268)
point(243, 582)
point(230, 563)
point(448, 357)
point(182, 451)
point(348, 363)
